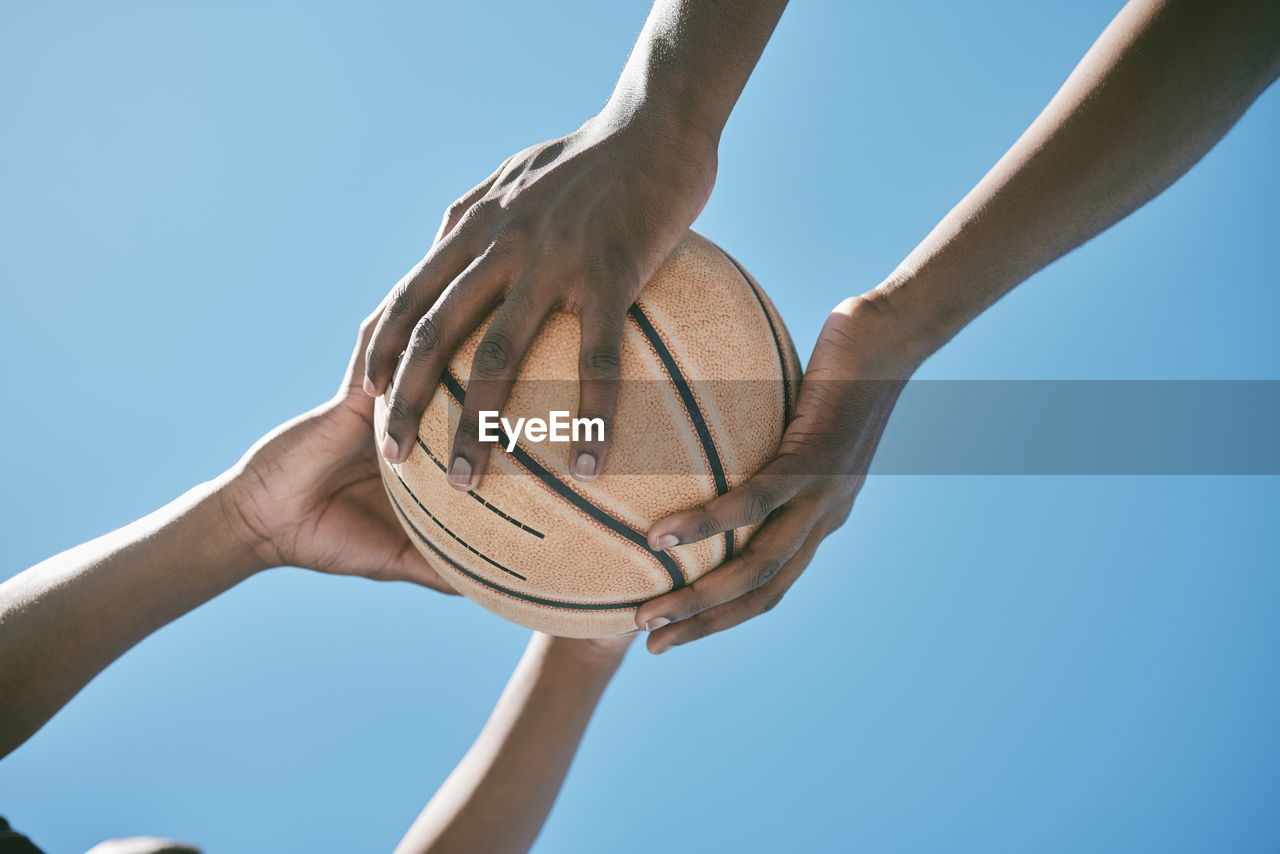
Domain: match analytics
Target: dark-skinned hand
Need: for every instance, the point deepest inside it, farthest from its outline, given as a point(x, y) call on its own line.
point(578, 224)
point(310, 492)
point(850, 386)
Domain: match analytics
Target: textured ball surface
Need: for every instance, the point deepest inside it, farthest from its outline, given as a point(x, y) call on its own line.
point(709, 377)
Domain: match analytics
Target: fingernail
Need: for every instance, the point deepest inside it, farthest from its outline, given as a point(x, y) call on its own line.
point(368, 387)
point(655, 624)
point(390, 449)
point(460, 473)
point(661, 650)
point(584, 468)
point(665, 542)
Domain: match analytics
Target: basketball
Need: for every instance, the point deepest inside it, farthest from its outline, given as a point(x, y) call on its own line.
point(709, 379)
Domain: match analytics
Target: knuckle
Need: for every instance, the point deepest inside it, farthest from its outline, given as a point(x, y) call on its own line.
point(400, 410)
point(480, 211)
point(454, 212)
point(766, 569)
point(770, 602)
point(759, 503)
point(425, 339)
point(602, 362)
point(468, 425)
point(841, 516)
point(507, 237)
point(696, 603)
point(400, 303)
point(616, 254)
point(494, 354)
point(707, 526)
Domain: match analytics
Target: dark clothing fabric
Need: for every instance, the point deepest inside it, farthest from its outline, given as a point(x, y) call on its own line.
point(13, 842)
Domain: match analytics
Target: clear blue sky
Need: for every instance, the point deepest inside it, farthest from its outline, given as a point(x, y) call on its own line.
point(198, 203)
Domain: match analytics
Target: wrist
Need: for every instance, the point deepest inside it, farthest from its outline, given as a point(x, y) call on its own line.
point(933, 294)
point(599, 658)
point(244, 524)
point(655, 127)
point(670, 153)
point(924, 311)
point(887, 345)
point(662, 104)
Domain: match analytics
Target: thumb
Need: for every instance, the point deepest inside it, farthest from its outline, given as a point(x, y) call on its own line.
point(411, 566)
point(354, 378)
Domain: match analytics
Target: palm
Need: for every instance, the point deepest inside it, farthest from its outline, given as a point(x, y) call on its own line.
point(842, 408)
point(346, 524)
point(314, 483)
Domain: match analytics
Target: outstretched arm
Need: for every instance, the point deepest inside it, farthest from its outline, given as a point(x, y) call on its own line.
point(64, 620)
point(309, 495)
point(498, 797)
point(1162, 84)
point(1158, 89)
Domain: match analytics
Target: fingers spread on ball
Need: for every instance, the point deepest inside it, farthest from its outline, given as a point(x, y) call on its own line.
point(756, 565)
point(748, 504)
point(411, 298)
point(493, 372)
point(599, 375)
point(714, 620)
point(436, 335)
point(756, 601)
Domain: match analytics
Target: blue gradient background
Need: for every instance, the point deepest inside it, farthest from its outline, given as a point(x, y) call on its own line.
point(200, 202)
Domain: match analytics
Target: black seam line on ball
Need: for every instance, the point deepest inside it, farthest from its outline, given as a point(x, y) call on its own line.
point(777, 342)
point(479, 579)
point(690, 405)
point(461, 541)
point(512, 519)
point(566, 492)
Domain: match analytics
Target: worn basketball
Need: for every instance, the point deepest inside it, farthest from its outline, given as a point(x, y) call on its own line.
point(709, 377)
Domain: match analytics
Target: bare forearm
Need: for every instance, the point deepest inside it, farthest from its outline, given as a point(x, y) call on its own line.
point(1159, 88)
point(65, 619)
point(692, 60)
point(498, 797)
